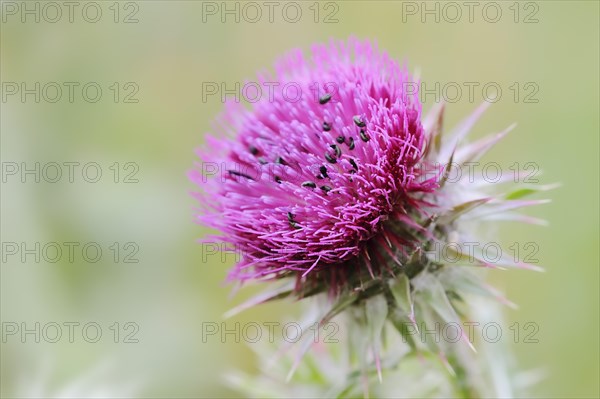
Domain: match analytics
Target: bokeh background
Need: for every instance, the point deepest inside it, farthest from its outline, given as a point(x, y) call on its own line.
point(167, 55)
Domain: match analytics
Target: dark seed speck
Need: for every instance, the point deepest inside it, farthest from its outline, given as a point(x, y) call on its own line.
point(363, 135)
point(351, 143)
point(338, 152)
point(240, 174)
point(323, 171)
point(291, 220)
point(359, 122)
point(325, 99)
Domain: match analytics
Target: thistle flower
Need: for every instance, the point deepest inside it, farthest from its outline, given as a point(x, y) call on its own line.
point(345, 191)
point(316, 187)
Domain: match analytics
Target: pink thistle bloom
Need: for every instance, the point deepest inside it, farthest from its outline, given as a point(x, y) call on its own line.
point(335, 183)
point(321, 183)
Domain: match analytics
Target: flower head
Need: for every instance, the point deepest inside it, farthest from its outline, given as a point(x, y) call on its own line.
point(344, 188)
point(316, 184)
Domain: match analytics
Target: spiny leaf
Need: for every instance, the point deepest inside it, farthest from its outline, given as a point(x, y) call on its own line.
point(502, 206)
point(267, 296)
point(342, 303)
point(439, 302)
point(477, 149)
point(466, 281)
point(401, 292)
point(461, 130)
point(525, 191)
point(461, 209)
point(376, 310)
point(447, 169)
point(404, 312)
point(432, 124)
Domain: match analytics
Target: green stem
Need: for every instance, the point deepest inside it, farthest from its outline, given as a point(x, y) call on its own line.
point(463, 387)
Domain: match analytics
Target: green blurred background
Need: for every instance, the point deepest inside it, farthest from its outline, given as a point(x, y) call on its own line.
point(167, 54)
